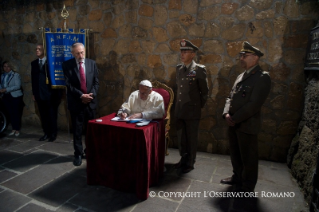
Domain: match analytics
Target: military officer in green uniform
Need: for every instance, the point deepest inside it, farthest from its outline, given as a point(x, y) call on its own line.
point(242, 114)
point(191, 96)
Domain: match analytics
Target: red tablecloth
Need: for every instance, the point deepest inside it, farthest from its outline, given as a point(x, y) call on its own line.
point(124, 157)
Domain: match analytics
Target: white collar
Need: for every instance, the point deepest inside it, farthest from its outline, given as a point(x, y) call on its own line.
point(77, 62)
point(43, 59)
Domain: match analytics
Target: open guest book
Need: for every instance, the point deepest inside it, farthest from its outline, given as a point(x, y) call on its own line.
point(139, 122)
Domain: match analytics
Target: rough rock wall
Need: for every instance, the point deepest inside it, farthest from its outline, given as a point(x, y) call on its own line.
point(138, 39)
point(304, 148)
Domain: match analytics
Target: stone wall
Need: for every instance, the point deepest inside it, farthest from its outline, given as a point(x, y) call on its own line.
point(303, 152)
point(139, 39)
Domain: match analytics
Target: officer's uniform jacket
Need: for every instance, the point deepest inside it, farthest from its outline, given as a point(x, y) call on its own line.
point(192, 91)
point(246, 98)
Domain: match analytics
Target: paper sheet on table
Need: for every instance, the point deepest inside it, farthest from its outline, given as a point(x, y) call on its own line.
point(126, 119)
point(143, 123)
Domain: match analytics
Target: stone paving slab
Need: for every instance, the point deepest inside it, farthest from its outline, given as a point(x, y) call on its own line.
point(34, 208)
point(172, 183)
point(173, 157)
point(11, 201)
point(6, 156)
point(97, 198)
point(8, 142)
point(29, 161)
point(58, 191)
point(60, 147)
point(204, 167)
point(40, 176)
point(282, 175)
point(27, 146)
point(6, 175)
point(156, 205)
point(70, 208)
point(35, 178)
point(200, 197)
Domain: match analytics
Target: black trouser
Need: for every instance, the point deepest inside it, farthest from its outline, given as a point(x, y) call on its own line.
point(49, 114)
point(14, 108)
point(244, 157)
point(187, 135)
point(79, 123)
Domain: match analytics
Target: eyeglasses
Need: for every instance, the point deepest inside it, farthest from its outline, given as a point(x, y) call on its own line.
point(245, 55)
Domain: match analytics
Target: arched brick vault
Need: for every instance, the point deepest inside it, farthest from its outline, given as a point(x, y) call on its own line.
point(138, 39)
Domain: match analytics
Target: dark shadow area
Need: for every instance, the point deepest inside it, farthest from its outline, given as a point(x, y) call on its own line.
point(239, 204)
point(138, 77)
point(111, 86)
point(6, 156)
point(223, 203)
point(30, 160)
point(72, 188)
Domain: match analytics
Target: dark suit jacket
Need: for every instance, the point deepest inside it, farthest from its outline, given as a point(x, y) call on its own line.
point(192, 91)
point(246, 99)
point(40, 89)
point(73, 84)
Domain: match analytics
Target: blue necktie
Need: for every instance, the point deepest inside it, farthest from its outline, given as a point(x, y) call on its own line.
point(5, 80)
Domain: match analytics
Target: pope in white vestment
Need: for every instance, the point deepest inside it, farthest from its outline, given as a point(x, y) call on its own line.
point(143, 103)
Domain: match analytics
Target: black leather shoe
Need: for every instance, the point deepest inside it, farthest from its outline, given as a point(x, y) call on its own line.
point(52, 138)
point(83, 156)
point(43, 138)
point(229, 181)
point(187, 169)
point(77, 160)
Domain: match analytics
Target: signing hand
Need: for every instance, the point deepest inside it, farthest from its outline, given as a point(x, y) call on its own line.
point(123, 115)
point(136, 116)
point(229, 120)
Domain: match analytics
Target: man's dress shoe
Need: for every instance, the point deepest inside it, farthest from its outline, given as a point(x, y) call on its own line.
point(52, 138)
point(187, 169)
point(77, 160)
point(43, 138)
point(229, 181)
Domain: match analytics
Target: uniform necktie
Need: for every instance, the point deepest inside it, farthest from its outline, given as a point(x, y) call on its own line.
point(40, 64)
point(82, 78)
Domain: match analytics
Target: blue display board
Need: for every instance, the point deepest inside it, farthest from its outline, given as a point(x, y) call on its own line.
point(58, 50)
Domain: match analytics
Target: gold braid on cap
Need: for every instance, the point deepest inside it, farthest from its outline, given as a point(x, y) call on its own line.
point(247, 50)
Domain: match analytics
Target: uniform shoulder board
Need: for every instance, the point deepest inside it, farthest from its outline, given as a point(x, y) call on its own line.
point(179, 65)
point(200, 65)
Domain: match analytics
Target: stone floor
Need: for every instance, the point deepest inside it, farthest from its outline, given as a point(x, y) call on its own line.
point(39, 176)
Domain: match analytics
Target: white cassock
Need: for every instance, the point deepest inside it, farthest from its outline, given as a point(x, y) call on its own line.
point(151, 108)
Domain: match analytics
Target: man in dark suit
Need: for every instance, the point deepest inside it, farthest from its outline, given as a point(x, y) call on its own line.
point(192, 93)
point(47, 99)
point(242, 114)
point(81, 79)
